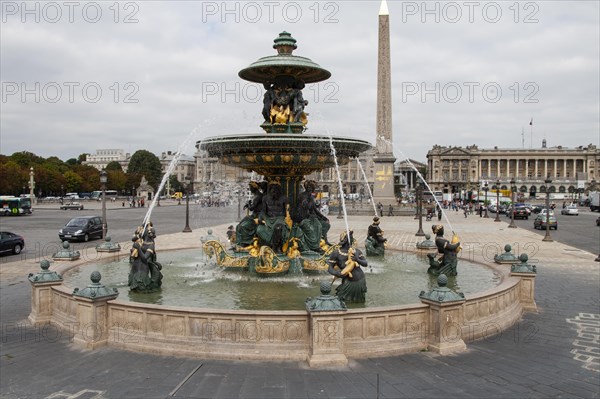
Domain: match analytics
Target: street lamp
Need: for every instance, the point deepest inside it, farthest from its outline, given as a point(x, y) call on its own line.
point(497, 201)
point(31, 187)
point(512, 224)
point(420, 232)
point(340, 193)
point(417, 199)
point(547, 236)
point(103, 180)
point(485, 189)
point(187, 229)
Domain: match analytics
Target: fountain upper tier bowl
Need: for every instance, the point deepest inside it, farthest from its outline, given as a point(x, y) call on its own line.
point(282, 154)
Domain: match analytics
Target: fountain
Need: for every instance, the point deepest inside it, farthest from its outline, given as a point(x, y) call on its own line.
point(291, 233)
point(204, 311)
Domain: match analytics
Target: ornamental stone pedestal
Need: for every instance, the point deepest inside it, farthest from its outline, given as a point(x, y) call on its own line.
point(92, 313)
point(41, 293)
point(445, 318)
point(326, 329)
point(527, 274)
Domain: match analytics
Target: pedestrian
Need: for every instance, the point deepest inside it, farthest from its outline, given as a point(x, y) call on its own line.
point(439, 213)
point(480, 210)
point(380, 209)
point(390, 210)
point(466, 210)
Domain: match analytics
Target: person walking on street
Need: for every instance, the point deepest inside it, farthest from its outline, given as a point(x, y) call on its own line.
point(390, 210)
point(466, 210)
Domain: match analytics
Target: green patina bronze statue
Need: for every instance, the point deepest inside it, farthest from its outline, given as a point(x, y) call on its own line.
point(375, 243)
point(246, 229)
point(312, 224)
point(345, 263)
point(448, 262)
point(144, 274)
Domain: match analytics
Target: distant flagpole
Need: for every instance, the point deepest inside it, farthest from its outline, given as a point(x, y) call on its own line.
point(531, 133)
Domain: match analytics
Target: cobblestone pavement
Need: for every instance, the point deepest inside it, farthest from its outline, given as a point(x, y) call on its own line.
point(552, 353)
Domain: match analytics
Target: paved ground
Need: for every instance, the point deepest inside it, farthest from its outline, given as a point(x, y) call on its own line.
point(552, 353)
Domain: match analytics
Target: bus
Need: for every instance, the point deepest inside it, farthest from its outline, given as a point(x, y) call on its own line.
point(97, 195)
point(15, 206)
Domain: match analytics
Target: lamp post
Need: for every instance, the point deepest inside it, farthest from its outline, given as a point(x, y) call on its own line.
point(547, 236)
point(420, 232)
point(485, 189)
point(239, 217)
point(512, 224)
point(340, 193)
point(417, 200)
point(31, 187)
point(187, 229)
point(103, 180)
point(497, 201)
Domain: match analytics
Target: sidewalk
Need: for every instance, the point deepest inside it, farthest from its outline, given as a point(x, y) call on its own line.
point(552, 353)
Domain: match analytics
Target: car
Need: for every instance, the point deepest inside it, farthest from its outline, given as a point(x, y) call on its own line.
point(82, 228)
point(520, 212)
point(72, 205)
point(540, 222)
point(11, 242)
point(537, 208)
point(570, 210)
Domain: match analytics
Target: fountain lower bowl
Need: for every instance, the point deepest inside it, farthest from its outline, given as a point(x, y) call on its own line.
point(284, 154)
point(193, 280)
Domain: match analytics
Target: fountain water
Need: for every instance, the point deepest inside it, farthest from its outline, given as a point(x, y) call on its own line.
point(362, 171)
point(429, 188)
point(388, 142)
point(172, 165)
point(339, 181)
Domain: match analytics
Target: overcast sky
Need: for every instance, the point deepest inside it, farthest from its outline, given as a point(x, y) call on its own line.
point(462, 72)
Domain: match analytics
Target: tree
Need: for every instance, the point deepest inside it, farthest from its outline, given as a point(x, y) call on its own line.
point(145, 163)
point(26, 159)
point(13, 178)
point(73, 181)
point(175, 184)
point(113, 165)
point(82, 158)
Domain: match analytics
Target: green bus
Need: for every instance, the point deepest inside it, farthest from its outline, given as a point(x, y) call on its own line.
point(14, 206)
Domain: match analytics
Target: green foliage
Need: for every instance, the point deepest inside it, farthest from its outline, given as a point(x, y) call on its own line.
point(145, 163)
point(176, 185)
point(113, 165)
point(73, 181)
point(26, 159)
point(13, 178)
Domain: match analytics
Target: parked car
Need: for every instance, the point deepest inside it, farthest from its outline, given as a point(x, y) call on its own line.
point(72, 205)
point(11, 242)
point(540, 222)
point(82, 228)
point(570, 210)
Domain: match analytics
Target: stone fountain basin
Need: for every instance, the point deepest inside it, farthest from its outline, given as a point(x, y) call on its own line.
point(282, 154)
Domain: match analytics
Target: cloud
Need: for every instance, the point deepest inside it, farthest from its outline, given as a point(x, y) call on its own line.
point(147, 84)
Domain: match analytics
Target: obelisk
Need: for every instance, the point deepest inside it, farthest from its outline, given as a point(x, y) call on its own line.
point(383, 190)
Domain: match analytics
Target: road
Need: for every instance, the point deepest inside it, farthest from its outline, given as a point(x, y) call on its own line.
point(40, 229)
point(578, 231)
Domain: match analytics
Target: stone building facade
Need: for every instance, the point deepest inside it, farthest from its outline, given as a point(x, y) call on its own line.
point(455, 170)
point(101, 158)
